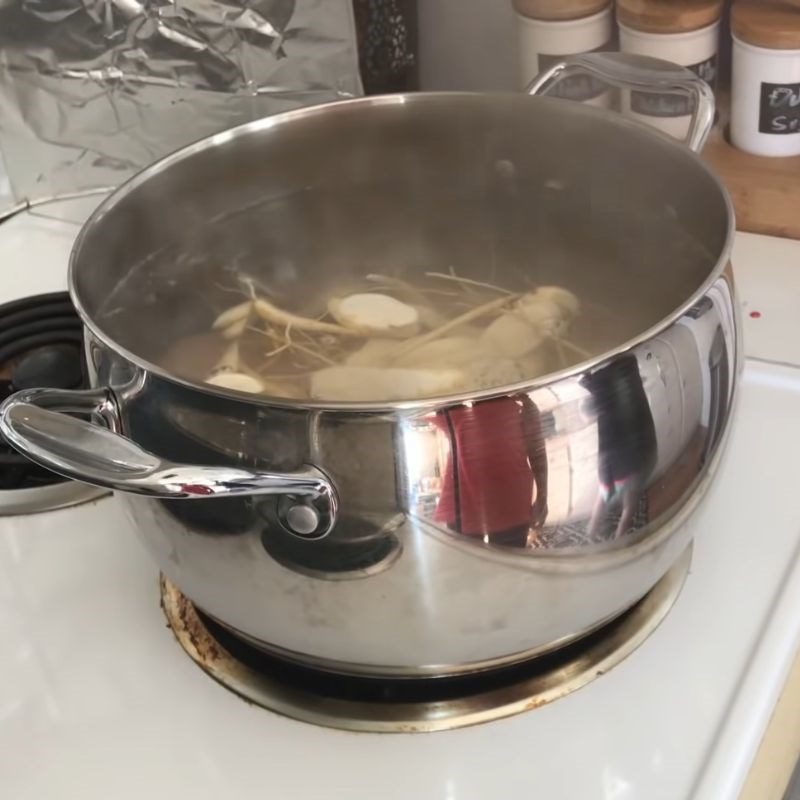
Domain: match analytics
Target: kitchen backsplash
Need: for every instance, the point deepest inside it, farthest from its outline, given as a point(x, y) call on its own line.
point(467, 44)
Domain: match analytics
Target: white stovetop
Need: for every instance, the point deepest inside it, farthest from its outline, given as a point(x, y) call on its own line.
point(98, 702)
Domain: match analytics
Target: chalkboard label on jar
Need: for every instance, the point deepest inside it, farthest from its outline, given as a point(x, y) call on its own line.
point(780, 108)
point(577, 87)
point(674, 105)
point(707, 70)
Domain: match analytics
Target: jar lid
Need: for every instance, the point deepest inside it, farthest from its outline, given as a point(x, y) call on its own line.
point(669, 16)
point(774, 24)
point(558, 10)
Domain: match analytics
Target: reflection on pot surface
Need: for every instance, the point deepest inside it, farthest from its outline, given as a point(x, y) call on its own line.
point(586, 461)
point(627, 447)
point(494, 482)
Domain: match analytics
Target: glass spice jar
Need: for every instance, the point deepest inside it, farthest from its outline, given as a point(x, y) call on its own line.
point(548, 30)
point(765, 91)
point(685, 32)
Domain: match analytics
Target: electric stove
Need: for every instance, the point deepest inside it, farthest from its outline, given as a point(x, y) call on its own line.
point(98, 699)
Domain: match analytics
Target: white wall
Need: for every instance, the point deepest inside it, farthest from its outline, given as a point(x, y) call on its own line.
point(467, 44)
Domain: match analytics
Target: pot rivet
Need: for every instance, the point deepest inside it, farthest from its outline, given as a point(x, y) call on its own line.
point(302, 519)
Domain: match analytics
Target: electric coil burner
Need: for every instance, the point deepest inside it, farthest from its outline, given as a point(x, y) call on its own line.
point(413, 704)
point(41, 345)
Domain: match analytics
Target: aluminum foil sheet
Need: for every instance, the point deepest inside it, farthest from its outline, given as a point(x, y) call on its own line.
point(91, 91)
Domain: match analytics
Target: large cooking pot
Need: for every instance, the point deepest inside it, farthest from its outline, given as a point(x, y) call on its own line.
point(388, 539)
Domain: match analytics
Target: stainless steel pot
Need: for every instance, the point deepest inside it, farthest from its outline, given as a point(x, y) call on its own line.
point(423, 538)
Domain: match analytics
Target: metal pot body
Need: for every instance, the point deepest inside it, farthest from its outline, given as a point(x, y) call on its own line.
point(398, 589)
point(437, 537)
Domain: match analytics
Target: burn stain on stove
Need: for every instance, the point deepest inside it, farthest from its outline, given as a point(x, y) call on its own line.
point(425, 704)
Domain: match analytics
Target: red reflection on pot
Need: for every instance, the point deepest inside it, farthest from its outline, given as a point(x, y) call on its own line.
point(196, 488)
point(497, 465)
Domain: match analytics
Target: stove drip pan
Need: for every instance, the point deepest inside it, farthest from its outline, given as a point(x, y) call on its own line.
point(41, 345)
point(413, 705)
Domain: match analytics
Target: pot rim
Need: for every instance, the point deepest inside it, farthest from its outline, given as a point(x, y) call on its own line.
point(427, 404)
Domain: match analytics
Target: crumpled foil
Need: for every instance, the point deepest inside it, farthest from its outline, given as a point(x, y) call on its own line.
point(91, 91)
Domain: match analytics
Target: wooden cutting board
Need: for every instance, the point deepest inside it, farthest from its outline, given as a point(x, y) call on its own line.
point(765, 191)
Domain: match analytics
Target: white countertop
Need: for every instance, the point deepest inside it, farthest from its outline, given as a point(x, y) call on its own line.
point(768, 276)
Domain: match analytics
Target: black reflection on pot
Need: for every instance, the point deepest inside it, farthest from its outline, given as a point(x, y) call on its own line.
point(719, 373)
point(356, 548)
point(627, 444)
point(495, 481)
point(156, 420)
point(217, 516)
point(720, 380)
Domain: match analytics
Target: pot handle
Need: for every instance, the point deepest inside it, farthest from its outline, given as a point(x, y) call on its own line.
point(639, 73)
point(35, 423)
